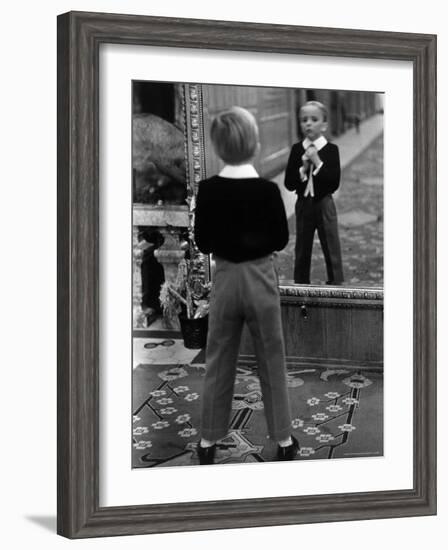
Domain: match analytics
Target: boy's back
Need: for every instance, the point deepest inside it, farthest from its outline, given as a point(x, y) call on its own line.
point(240, 219)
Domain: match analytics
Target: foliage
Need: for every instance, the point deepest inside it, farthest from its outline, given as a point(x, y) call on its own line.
point(189, 294)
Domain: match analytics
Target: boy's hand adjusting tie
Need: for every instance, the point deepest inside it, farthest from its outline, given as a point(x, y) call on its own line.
point(310, 186)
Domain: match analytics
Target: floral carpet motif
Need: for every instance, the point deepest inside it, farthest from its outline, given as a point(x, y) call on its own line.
point(335, 414)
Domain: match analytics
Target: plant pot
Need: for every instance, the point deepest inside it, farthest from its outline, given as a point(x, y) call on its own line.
point(194, 331)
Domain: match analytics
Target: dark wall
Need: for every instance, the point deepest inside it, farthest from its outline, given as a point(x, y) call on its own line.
point(154, 98)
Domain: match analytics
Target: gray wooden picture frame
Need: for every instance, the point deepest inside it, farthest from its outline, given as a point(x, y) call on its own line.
point(79, 38)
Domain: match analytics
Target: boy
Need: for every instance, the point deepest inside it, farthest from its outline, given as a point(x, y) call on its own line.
point(241, 220)
point(313, 172)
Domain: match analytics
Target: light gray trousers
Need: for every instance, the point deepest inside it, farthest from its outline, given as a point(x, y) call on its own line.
point(245, 292)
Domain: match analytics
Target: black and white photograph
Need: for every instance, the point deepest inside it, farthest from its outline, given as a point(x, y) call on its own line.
point(257, 289)
point(224, 249)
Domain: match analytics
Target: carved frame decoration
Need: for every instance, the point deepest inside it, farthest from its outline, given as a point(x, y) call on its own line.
point(195, 131)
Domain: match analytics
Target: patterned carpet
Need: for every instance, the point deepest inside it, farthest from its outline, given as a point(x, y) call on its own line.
point(336, 413)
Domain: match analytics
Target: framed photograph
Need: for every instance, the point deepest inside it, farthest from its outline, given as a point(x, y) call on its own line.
point(137, 99)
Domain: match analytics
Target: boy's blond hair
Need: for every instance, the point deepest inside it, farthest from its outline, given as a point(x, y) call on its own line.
point(234, 135)
point(323, 109)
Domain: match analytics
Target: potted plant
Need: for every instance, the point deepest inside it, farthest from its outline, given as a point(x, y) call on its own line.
point(188, 298)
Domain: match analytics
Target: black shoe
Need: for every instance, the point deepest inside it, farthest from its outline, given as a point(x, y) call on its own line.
point(206, 454)
point(289, 452)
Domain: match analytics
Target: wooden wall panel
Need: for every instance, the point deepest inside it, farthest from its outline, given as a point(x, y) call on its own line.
point(275, 113)
point(331, 334)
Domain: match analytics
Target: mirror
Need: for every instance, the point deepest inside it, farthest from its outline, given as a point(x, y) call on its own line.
point(355, 125)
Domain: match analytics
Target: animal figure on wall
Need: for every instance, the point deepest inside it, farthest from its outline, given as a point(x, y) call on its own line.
point(158, 161)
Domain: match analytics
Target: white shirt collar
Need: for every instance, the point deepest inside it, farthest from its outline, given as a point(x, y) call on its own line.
point(318, 143)
point(238, 172)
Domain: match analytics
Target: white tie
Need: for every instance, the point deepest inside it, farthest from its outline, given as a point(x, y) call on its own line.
point(310, 187)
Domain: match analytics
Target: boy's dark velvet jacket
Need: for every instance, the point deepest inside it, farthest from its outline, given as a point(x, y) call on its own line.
point(240, 219)
point(326, 181)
